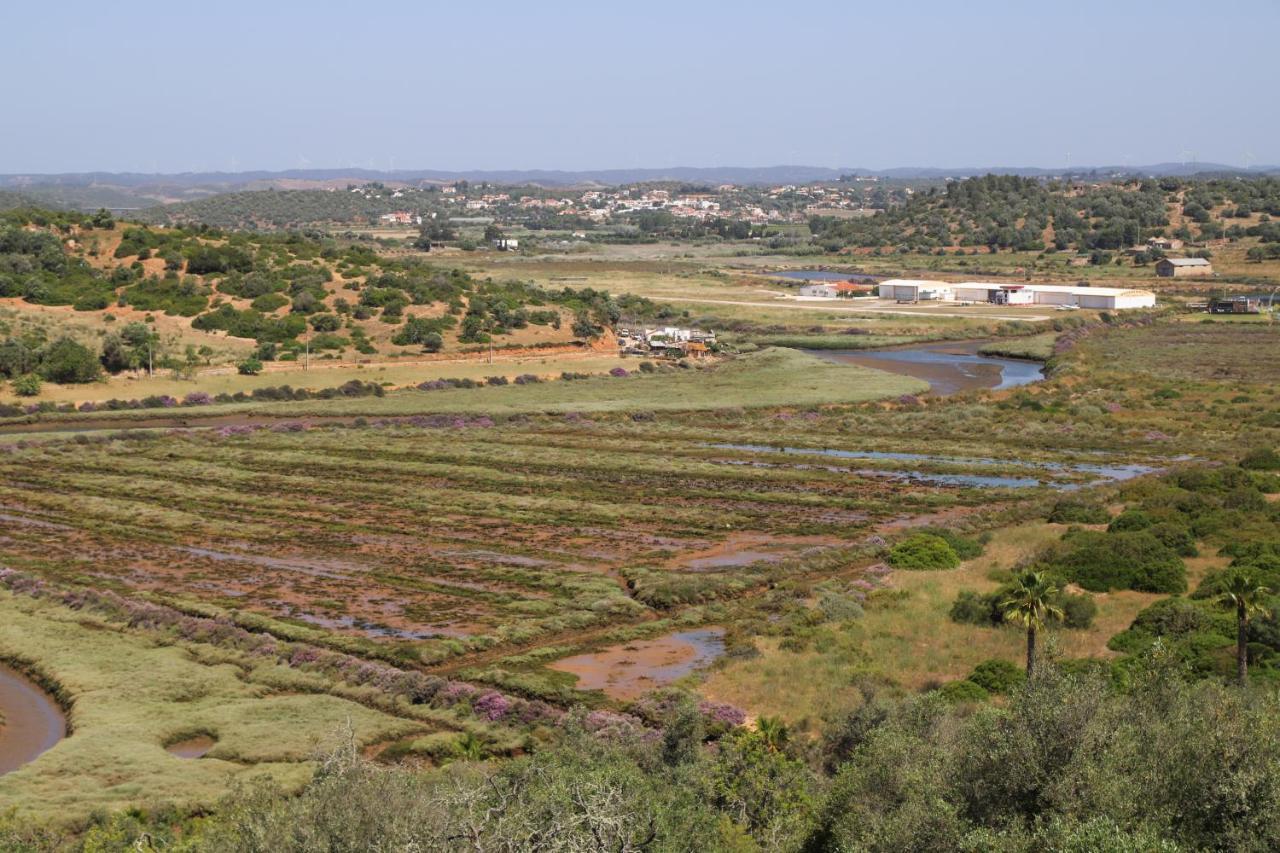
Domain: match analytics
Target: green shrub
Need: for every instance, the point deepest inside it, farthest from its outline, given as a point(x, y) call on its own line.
point(1261, 459)
point(250, 366)
point(27, 385)
point(960, 692)
point(1130, 519)
point(998, 676)
point(268, 302)
point(1175, 537)
point(839, 607)
point(923, 551)
point(67, 361)
point(972, 608)
point(965, 548)
point(1077, 610)
point(1104, 561)
point(1078, 511)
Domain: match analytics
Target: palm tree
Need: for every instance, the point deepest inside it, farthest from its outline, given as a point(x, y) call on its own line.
point(1244, 594)
point(1030, 603)
point(773, 732)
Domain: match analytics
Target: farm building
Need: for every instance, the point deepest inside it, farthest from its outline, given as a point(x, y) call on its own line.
point(1183, 267)
point(834, 289)
point(1236, 305)
point(1104, 298)
point(915, 290)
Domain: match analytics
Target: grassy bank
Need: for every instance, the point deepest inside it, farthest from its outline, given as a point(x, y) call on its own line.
point(1034, 347)
point(130, 697)
point(771, 377)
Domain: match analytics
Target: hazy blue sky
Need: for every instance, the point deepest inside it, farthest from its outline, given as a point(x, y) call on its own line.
point(165, 86)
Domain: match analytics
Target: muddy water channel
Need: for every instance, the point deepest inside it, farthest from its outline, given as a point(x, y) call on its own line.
point(949, 368)
point(629, 670)
point(1065, 476)
point(30, 720)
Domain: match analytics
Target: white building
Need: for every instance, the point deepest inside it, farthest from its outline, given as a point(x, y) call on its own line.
point(1000, 293)
point(833, 289)
point(915, 290)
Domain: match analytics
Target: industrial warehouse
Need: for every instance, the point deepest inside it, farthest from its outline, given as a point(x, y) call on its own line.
point(1104, 298)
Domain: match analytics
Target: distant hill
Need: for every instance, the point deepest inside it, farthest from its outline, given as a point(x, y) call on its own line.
point(88, 190)
point(10, 200)
point(271, 208)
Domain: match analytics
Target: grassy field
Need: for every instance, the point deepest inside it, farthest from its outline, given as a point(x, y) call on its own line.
point(131, 697)
point(772, 377)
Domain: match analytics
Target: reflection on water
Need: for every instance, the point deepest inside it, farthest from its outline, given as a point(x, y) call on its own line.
point(30, 720)
point(947, 367)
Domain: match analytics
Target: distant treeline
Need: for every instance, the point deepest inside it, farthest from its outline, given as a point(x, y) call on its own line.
point(1023, 214)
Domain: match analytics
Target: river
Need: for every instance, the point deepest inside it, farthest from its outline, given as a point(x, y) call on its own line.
point(30, 720)
point(948, 367)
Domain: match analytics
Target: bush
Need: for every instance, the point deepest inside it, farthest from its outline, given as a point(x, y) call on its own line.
point(1175, 537)
point(249, 367)
point(972, 608)
point(1077, 610)
point(268, 302)
point(27, 385)
point(67, 361)
point(839, 607)
point(1100, 562)
point(1078, 511)
point(965, 548)
point(959, 692)
point(1130, 519)
point(923, 551)
point(998, 676)
point(1262, 459)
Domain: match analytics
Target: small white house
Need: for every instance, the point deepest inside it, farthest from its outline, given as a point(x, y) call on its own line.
point(506, 244)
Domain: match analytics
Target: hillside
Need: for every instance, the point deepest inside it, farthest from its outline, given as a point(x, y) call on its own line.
point(277, 209)
point(131, 295)
point(10, 200)
point(1013, 213)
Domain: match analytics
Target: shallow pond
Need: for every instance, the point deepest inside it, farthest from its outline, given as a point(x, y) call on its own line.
point(192, 747)
point(948, 367)
point(626, 671)
point(30, 720)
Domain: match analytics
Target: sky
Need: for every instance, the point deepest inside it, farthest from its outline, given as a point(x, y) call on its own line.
point(276, 84)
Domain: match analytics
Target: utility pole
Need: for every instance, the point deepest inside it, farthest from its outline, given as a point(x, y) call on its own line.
point(306, 364)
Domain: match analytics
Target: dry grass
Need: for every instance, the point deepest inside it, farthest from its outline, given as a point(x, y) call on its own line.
point(912, 641)
point(330, 374)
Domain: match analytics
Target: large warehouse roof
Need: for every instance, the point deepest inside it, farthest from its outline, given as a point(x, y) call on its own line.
point(993, 285)
point(1055, 288)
